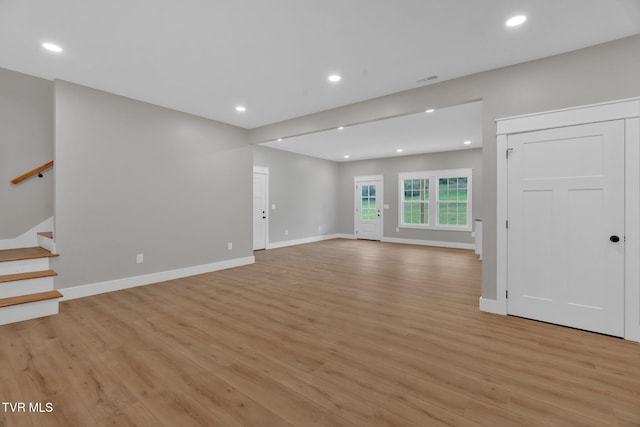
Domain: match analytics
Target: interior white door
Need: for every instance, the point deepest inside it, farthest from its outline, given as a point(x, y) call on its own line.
point(566, 226)
point(368, 210)
point(259, 211)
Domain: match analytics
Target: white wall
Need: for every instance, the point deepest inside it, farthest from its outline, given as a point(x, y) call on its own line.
point(304, 190)
point(26, 142)
point(136, 178)
point(600, 73)
point(390, 168)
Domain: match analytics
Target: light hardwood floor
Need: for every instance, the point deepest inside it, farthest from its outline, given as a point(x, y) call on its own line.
point(334, 333)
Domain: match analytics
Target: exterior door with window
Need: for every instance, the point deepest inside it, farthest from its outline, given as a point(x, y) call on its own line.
point(368, 209)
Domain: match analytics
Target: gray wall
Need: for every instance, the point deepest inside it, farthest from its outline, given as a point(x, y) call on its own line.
point(600, 73)
point(26, 141)
point(136, 178)
point(304, 191)
point(390, 168)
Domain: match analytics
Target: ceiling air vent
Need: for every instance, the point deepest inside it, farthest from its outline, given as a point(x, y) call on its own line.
point(426, 79)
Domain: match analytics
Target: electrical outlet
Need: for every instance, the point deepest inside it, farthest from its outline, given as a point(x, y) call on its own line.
point(229, 246)
point(139, 258)
point(273, 206)
point(286, 232)
point(397, 229)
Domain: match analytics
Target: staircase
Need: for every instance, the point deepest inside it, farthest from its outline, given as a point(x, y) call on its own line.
point(26, 282)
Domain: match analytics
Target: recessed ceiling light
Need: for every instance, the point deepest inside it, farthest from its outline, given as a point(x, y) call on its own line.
point(334, 78)
point(241, 109)
point(341, 127)
point(52, 47)
point(346, 156)
point(279, 139)
point(467, 143)
point(399, 150)
point(515, 21)
point(430, 110)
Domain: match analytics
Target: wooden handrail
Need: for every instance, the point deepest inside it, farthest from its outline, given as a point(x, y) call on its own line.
point(33, 172)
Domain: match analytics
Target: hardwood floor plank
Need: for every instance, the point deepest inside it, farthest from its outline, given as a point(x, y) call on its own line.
point(383, 418)
point(227, 354)
point(491, 416)
point(337, 332)
point(137, 415)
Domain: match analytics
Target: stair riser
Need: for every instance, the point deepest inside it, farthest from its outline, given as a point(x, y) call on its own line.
point(24, 287)
point(23, 266)
point(48, 244)
point(33, 310)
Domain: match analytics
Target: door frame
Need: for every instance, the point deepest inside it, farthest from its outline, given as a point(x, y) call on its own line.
point(628, 110)
point(380, 192)
point(262, 170)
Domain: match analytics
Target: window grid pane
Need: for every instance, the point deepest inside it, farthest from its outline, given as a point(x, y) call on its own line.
point(452, 213)
point(368, 203)
point(453, 197)
point(415, 203)
point(452, 206)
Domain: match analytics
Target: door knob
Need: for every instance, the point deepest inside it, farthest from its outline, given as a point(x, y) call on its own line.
point(614, 239)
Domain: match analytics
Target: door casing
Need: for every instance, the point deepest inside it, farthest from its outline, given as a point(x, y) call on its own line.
point(629, 111)
point(262, 171)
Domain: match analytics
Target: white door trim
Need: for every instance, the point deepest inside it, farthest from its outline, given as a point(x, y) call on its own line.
point(263, 170)
point(500, 306)
point(632, 230)
point(628, 109)
point(602, 112)
point(368, 178)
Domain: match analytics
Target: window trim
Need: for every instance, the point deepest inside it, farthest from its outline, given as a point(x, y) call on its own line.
point(434, 203)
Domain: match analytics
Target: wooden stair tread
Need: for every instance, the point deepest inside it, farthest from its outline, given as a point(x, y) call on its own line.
point(47, 234)
point(24, 253)
point(27, 275)
point(25, 299)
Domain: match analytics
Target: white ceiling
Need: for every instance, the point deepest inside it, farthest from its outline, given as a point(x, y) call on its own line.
point(442, 130)
point(206, 57)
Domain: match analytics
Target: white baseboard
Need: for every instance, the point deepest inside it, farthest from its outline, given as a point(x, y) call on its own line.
point(286, 243)
point(429, 243)
point(132, 282)
point(493, 306)
point(343, 236)
point(29, 238)
point(384, 239)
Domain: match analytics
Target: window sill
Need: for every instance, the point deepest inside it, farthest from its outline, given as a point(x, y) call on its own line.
point(431, 228)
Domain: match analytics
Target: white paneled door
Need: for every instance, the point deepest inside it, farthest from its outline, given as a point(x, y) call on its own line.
point(260, 183)
point(566, 226)
point(368, 210)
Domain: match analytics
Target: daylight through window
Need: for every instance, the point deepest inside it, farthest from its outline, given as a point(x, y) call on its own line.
point(436, 199)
